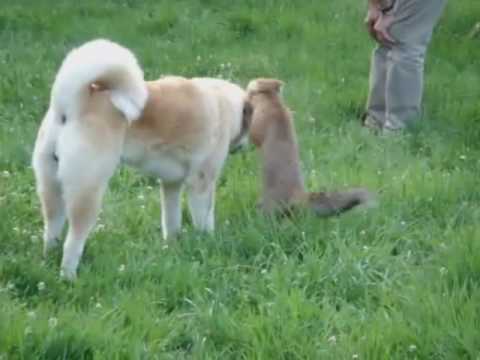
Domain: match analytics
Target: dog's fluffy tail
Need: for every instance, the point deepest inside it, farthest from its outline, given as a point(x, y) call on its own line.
point(104, 64)
point(327, 204)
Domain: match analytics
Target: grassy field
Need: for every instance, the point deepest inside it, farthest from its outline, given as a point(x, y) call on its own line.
point(401, 281)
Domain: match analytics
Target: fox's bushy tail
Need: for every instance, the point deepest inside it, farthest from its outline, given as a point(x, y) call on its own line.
point(334, 203)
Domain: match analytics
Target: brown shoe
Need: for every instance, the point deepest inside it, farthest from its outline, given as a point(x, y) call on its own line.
point(371, 123)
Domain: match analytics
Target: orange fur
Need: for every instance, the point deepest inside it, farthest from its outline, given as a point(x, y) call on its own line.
point(273, 132)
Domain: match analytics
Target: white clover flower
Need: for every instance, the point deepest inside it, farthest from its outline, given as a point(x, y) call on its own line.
point(165, 247)
point(463, 157)
point(52, 322)
point(355, 356)
point(98, 305)
point(32, 314)
point(332, 339)
point(41, 286)
point(141, 197)
point(412, 348)
point(121, 268)
point(263, 271)
point(5, 174)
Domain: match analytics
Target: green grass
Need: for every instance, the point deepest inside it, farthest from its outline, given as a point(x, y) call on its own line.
point(401, 281)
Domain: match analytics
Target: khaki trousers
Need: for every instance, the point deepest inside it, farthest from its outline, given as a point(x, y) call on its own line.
point(396, 74)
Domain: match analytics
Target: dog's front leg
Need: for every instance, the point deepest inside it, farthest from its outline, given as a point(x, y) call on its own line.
point(201, 201)
point(171, 209)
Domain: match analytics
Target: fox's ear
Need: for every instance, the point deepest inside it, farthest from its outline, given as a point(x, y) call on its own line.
point(253, 86)
point(265, 85)
point(271, 85)
point(277, 85)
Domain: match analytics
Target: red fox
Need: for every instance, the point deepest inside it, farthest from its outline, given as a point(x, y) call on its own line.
point(272, 131)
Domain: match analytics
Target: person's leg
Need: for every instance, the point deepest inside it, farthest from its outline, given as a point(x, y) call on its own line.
point(412, 29)
point(376, 103)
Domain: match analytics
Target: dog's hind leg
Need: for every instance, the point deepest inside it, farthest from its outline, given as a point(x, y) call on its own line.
point(49, 190)
point(84, 170)
point(83, 205)
point(171, 195)
point(53, 209)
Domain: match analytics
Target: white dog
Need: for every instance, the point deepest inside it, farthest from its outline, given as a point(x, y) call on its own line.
point(101, 112)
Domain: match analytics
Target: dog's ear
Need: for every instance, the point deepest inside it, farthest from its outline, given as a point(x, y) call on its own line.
point(247, 115)
point(242, 137)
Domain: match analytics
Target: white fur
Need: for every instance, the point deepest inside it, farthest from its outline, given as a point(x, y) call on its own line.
point(81, 177)
point(104, 61)
point(73, 160)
